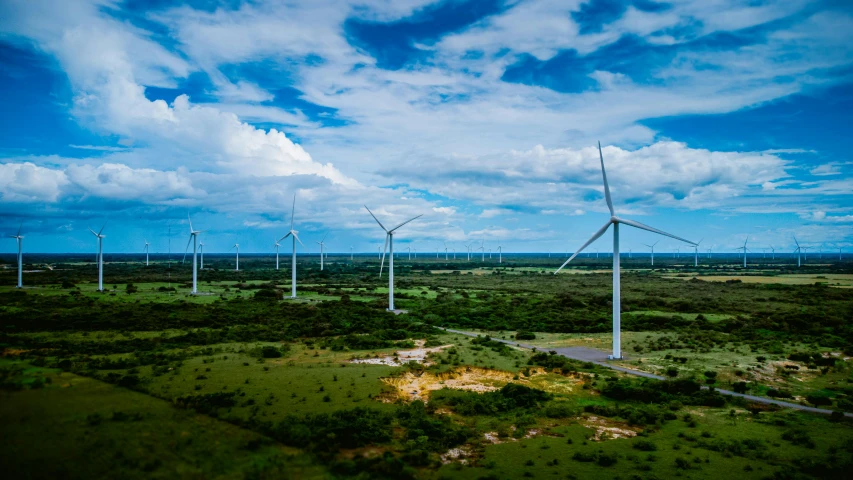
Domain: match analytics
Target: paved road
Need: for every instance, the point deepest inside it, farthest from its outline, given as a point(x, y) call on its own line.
point(600, 358)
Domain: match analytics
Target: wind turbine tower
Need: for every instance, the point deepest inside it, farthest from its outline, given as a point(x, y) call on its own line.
point(146, 252)
point(100, 257)
point(652, 246)
point(615, 222)
point(201, 253)
point(276, 245)
point(237, 247)
point(194, 240)
point(20, 241)
point(295, 236)
point(798, 251)
point(696, 253)
point(744, 251)
point(500, 255)
point(322, 248)
point(389, 241)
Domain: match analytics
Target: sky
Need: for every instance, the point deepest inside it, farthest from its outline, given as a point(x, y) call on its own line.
point(719, 120)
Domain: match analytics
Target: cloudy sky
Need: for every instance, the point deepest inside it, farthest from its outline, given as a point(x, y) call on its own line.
point(718, 119)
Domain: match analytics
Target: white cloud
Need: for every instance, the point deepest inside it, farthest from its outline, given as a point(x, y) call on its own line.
point(27, 183)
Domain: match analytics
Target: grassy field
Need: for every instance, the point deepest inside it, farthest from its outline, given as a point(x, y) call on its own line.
point(78, 427)
point(242, 383)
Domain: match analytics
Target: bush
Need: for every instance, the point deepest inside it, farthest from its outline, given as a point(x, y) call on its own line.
point(645, 445)
point(525, 336)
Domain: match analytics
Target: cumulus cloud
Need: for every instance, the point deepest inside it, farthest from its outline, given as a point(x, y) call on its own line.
point(27, 183)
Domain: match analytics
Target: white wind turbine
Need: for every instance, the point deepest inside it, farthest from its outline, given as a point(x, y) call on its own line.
point(236, 247)
point(20, 241)
point(276, 245)
point(100, 257)
point(615, 221)
point(322, 244)
point(454, 253)
point(409, 248)
point(500, 255)
point(468, 248)
point(350, 253)
point(445, 251)
point(798, 250)
point(772, 252)
point(744, 250)
point(146, 252)
point(389, 239)
point(482, 248)
point(696, 253)
point(194, 240)
point(652, 246)
point(295, 235)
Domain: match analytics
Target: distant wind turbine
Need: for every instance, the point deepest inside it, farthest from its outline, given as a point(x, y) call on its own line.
point(445, 251)
point(237, 247)
point(350, 253)
point(276, 245)
point(194, 240)
point(696, 253)
point(615, 221)
point(295, 236)
point(20, 241)
point(389, 240)
point(322, 247)
point(500, 255)
point(652, 246)
point(146, 252)
point(482, 248)
point(798, 251)
point(744, 250)
point(201, 252)
point(468, 248)
point(409, 248)
point(100, 257)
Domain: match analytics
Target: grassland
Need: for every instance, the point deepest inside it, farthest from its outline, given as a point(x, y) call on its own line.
point(144, 381)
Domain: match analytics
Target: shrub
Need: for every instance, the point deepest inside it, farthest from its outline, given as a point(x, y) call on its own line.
point(525, 336)
point(645, 445)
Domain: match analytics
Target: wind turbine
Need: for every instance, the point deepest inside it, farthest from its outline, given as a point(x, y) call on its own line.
point(454, 253)
point(772, 253)
point(696, 253)
point(409, 248)
point(201, 251)
point(275, 245)
point(194, 240)
point(652, 246)
point(146, 252)
point(744, 250)
point(798, 250)
point(482, 248)
point(615, 221)
point(237, 247)
point(295, 235)
point(389, 239)
point(468, 248)
point(350, 253)
point(445, 251)
point(100, 257)
point(322, 245)
point(500, 255)
point(20, 240)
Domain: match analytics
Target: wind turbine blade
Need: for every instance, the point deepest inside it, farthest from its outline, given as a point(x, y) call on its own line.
point(654, 230)
point(293, 211)
point(19, 229)
point(795, 241)
point(595, 237)
point(298, 240)
point(377, 220)
point(93, 232)
point(606, 186)
point(282, 238)
point(191, 222)
point(407, 221)
point(186, 249)
point(324, 237)
point(382, 265)
point(102, 228)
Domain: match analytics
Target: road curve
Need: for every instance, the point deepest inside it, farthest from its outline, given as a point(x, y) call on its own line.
point(599, 358)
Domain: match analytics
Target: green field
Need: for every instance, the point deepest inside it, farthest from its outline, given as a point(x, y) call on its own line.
point(241, 382)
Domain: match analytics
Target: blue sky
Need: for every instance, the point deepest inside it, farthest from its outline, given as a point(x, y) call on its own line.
point(720, 119)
